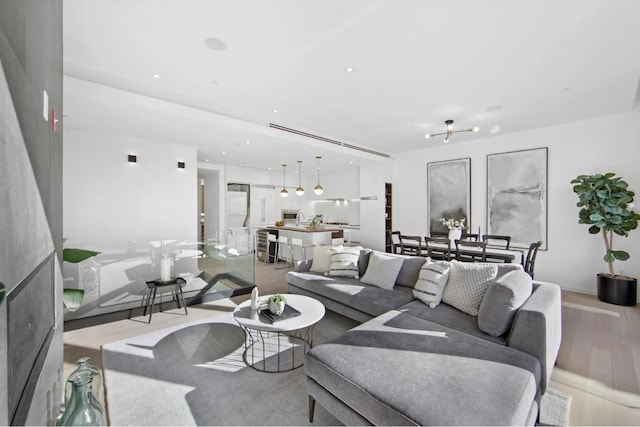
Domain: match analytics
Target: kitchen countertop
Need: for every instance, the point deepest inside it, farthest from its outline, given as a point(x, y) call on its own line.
point(304, 229)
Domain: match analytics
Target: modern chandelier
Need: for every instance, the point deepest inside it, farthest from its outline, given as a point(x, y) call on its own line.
point(283, 193)
point(450, 131)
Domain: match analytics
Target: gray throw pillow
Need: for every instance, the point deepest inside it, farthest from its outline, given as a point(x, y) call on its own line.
point(363, 261)
point(382, 270)
point(502, 300)
point(410, 271)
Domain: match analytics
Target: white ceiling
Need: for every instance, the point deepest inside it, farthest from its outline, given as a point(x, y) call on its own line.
point(225, 65)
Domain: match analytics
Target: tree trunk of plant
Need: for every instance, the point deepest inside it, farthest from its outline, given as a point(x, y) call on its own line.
point(608, 242)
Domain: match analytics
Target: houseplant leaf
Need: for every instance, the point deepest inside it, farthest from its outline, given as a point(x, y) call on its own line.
point(72, 298)
point(74, 255)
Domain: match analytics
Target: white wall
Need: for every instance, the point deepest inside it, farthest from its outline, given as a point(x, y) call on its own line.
point(107, 199)
point(607, 144)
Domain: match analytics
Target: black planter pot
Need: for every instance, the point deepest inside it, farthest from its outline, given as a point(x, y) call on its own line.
point(619, 290)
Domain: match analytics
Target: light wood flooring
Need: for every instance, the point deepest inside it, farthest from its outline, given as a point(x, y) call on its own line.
point(598, 363)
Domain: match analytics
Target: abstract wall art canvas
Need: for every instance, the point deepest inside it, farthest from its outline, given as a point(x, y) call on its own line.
point(517, 196)
point(448, 192)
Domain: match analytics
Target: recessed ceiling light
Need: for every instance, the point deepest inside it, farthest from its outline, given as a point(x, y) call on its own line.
point(275, 110)
point(349, 69)
point(495, 129)
point(247, 142)
point(224, 152)
point(269, 168)
point(206, 160)
point(350, 162)
point(215, 44)
point(156, 76)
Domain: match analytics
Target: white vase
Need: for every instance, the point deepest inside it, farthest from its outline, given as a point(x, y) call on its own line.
point(455, 234)
point(276, 307)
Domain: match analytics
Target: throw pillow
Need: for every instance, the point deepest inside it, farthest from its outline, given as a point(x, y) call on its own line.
point(320, 262)
point(343, 262)
point(502, 300)
point(363, 261)
point(410, 270)
point(431, 282)
point(382, 270)
point(467, 284)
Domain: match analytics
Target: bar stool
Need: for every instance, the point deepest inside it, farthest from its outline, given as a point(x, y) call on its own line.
point(296, 245)
point(272, 240)
point(283, 242)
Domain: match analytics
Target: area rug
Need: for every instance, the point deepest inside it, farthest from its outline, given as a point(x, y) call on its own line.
point(194, 374)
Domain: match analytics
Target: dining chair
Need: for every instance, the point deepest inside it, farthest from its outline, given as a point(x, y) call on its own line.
point(472, 254)
point(501, 240)
point(469, 236)
point(438, 252)
point(410, 245)
point(530, 261)
point(395, 241)
point(439, 234)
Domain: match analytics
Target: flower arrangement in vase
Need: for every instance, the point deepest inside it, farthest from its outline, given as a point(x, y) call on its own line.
point(455, 227)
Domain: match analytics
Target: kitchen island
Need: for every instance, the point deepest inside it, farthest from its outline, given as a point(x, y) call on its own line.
point(308, 236)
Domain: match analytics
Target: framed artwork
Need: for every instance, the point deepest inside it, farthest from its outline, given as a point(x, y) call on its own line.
point(448, 192)
point(517, 196)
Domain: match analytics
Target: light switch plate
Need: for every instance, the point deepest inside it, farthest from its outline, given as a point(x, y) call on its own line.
point(45, 105)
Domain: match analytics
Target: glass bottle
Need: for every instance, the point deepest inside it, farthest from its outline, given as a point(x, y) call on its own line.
point(85, 365)
point(82, 409)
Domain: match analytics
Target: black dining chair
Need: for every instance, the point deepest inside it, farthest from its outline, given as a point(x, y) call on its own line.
point(495, 239)
point(438, 252)
point(410, 245)
point(395, 241)
point(439, 234)
point(530, 261)
point(469, 236)
point(472, 255)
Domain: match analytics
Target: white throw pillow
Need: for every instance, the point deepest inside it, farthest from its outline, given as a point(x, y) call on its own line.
point(321, 256)
point(382, 270)
point(431, 282)
point(468, 281)
point(343, 262)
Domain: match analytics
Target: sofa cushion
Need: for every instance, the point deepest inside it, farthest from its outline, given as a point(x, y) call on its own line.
point(467, 284)
point(502, 300)
point(321, 259)
point(440, 376)
point(431, 282)
point(343, 261)
point(368, 299)
point(451, 317)
point(382, 270)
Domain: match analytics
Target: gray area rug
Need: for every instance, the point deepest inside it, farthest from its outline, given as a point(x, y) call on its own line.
point(194, 374)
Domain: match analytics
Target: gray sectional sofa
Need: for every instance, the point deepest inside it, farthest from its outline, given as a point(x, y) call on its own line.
point(409, 364)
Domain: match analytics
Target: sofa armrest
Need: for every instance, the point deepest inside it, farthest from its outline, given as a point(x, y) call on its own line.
point(537, 328)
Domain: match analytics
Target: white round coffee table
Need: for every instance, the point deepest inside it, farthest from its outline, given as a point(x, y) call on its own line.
point(279, 346)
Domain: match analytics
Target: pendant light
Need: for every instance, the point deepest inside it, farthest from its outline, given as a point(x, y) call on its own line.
point(318, 188)
point(283, 193)
point(299, 190)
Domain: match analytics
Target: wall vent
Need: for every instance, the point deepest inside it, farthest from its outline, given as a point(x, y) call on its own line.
point(330, 141)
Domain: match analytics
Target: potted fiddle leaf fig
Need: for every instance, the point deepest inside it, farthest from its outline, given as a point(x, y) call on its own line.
point(606, 205)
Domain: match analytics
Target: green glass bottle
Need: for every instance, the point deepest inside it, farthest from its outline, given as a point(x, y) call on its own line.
point(82, 409)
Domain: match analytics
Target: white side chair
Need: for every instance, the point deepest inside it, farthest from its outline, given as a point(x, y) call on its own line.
point(283, 243)
point(298, 248)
